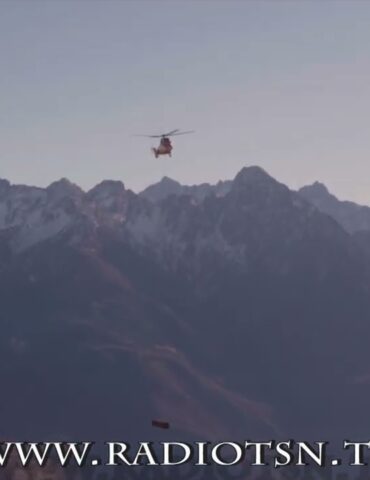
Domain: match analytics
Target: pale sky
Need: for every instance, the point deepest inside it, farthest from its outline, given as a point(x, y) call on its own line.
point(280, 84)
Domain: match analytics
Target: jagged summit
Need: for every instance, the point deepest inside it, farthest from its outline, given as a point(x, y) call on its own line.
point(31, 215)
point(316, 188)
point(64, 187)
point(254, 186)
point(253, 175)
point(168, 181)
point(162, 189)
point(352, 217)
point(167, 186)
point(107, 187)
point(251, 172)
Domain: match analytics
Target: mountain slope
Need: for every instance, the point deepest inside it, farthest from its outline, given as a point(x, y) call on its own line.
point(115, 303)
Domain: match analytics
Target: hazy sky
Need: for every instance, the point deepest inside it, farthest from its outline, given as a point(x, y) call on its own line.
point(281, 84)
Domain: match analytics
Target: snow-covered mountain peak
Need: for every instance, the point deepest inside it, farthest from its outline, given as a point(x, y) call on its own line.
point(221, 218)
point(110, 198)
point(167, 187)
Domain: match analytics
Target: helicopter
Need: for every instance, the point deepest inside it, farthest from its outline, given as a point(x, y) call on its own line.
point(165, 146)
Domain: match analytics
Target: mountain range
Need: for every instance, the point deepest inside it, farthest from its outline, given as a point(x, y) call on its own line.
point(234, 310)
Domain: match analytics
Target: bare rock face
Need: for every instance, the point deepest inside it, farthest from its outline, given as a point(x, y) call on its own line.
point(352, 217)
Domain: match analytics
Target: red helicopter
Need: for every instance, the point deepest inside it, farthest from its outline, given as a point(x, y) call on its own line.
point(165, 145)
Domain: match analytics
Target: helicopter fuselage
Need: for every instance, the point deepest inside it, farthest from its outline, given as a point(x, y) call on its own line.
point(164, 148)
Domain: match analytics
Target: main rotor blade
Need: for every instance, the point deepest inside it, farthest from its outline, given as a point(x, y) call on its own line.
point(170, 133)
point(148, 136)
point(181, 133)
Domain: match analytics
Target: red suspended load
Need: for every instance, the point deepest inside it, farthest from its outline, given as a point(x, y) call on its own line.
point(160, 424)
